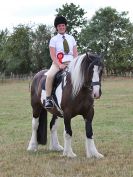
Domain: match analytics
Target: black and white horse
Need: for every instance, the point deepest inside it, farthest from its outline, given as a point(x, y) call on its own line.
point(73, 96)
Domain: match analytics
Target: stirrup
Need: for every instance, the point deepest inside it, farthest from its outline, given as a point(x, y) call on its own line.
point(49, 103)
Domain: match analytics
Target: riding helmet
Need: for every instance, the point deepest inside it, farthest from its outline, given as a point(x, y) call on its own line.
point(60, 20)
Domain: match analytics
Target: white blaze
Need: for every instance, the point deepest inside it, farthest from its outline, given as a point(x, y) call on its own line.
point(95, 78)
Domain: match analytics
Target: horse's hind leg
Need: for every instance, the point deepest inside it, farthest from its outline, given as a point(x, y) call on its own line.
point(54, 143)
point(33, 144)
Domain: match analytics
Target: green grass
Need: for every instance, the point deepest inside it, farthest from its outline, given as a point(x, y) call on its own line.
point(113, 134)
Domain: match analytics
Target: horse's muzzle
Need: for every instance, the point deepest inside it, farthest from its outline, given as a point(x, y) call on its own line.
point(96, 91)
point(96, 96)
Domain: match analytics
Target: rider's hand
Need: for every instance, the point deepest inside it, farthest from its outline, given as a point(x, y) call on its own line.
point(62, 66)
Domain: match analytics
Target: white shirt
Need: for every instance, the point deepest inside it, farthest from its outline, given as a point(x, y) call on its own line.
point(57, 43)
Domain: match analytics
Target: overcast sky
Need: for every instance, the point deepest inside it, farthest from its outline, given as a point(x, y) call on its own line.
point(14, 12)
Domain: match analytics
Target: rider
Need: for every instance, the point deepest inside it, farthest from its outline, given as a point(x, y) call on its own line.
point(62, 50)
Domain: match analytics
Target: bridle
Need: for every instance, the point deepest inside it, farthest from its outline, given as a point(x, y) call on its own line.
point(97, 63)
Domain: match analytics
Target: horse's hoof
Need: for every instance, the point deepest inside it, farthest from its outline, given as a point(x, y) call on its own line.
point(32, 147)
point(58, 148)
point(97, 155)
point(69, 154)
point(72, 155)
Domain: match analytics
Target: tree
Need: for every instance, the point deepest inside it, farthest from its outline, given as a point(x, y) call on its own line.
point(19, 50)
point(109, 33)
point(3, 53)
point(75, 18)
point(40, 50)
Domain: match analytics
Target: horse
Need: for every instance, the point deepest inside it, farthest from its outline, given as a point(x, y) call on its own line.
point(74, 95)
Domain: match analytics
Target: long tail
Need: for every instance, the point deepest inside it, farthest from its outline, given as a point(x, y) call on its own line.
point(42, 128)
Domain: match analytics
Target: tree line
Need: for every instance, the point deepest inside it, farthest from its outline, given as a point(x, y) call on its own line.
point(108, 33)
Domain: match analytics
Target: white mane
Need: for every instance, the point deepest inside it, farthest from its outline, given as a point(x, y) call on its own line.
point(77, 77)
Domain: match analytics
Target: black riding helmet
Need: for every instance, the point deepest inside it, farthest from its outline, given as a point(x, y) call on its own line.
point(60, 20)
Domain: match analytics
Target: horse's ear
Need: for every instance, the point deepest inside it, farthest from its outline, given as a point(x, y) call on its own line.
point(87, 54)
point(88, 57)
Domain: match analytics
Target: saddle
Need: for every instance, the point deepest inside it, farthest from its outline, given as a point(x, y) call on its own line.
point(57, 80)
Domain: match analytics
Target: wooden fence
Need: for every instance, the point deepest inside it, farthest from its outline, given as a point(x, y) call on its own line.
point(12, 77)
point(25, 77)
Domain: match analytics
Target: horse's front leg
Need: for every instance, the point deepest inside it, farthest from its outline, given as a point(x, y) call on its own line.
point(68, 138)
point(33, 144)
point(91, 150)
point(54, 143)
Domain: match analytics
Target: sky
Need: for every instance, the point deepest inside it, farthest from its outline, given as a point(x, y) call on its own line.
point(14, 12)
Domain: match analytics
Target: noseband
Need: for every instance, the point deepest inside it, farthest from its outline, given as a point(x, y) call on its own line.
point(95, 83)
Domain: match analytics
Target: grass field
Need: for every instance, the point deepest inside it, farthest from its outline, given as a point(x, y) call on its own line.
point(113, 133)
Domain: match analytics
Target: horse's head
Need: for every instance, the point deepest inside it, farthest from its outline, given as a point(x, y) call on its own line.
point(86, 71)
point(95, 73)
